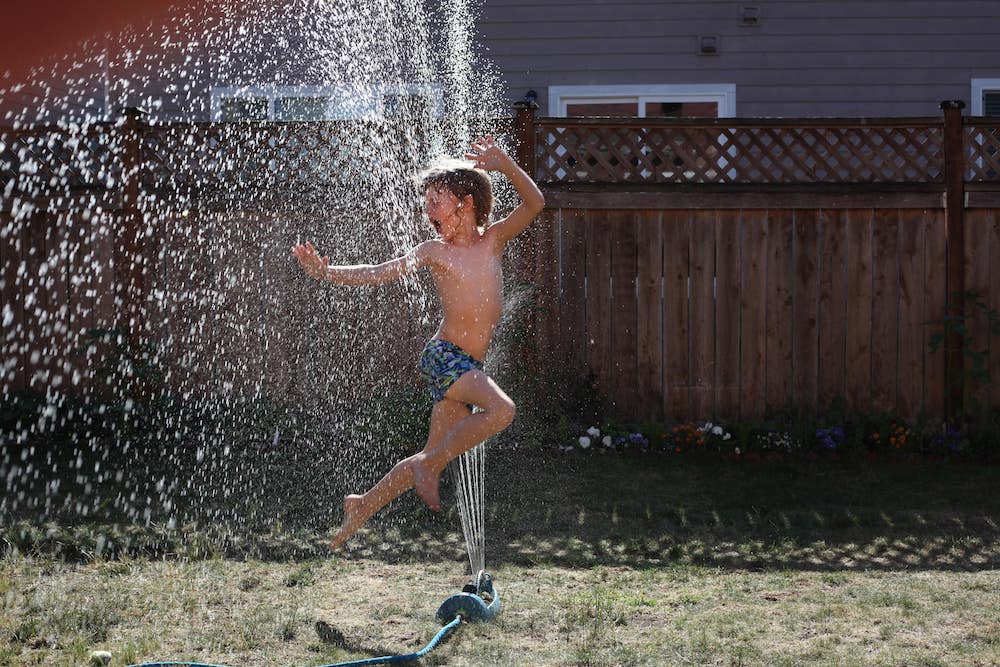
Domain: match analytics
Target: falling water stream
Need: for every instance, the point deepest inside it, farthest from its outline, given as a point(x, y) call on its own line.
point(242, 398)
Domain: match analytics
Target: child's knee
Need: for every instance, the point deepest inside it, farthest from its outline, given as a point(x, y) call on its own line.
point(504, 413)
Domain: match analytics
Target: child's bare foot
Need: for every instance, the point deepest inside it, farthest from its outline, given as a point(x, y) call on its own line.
point(354, 518)
point(425, 483)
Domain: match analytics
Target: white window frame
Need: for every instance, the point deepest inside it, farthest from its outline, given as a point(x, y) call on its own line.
point(723, 94)
point(980, 86)
point(369, 100)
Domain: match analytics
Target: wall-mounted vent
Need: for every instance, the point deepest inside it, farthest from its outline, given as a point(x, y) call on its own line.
point(749, 15)
point(708, 45)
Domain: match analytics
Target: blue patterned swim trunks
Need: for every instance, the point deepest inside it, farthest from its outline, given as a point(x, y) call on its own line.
point(442, 363)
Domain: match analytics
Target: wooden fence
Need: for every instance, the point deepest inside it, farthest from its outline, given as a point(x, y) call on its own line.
point(714, 268)
point(696, 267)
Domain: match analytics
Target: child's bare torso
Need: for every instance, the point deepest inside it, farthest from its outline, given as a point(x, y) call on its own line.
point(469, 281)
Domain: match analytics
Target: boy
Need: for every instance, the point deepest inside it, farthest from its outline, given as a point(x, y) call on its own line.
point(464, 261)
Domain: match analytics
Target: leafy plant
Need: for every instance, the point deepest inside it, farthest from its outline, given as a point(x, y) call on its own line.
point(963, 308)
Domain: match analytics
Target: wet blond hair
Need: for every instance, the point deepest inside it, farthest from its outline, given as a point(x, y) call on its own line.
point(460, 179)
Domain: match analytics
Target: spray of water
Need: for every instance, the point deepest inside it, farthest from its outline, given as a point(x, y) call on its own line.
point(222, 388)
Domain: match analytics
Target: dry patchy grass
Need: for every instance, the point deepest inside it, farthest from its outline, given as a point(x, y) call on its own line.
point(247, 613)
point(613, 562)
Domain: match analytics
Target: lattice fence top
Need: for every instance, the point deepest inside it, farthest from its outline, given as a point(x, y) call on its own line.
point(683, 152)
point(39, 161)
point(264, 159)
point(269, 158)
point(982, 147)
point(253, 156)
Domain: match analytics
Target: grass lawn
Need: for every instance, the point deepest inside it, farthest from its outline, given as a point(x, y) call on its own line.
point(600, 560)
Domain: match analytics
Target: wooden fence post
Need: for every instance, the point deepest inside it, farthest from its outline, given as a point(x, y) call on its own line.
point(954, 179)
point(524, 129)
point(129, 263)
point(526, 246)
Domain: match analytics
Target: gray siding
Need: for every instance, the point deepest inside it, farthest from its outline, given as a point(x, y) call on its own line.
point(805, 58)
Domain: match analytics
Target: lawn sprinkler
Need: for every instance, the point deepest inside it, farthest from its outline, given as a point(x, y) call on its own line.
point(478, 601)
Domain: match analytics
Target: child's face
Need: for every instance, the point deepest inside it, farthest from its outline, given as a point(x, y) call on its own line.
point(444, 211)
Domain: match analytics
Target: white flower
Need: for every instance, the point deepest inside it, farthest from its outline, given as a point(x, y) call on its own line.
point(607, 441)
point(727, 436)
point(584, 441)
point(706, 427)
point(737, 450)
point(594, 432)
point(716, 430)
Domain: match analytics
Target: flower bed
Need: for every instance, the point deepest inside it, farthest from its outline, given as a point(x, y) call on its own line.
point(797, 437)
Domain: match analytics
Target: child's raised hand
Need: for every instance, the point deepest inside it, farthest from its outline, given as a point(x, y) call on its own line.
point(310, 260)
point(487, 155)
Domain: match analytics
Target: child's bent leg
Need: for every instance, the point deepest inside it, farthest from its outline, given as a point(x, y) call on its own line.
point(497, 412)
point(359, 508)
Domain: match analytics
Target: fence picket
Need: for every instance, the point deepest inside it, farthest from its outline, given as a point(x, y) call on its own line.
point(35, 303)
point(832, 377)
point(545, 316)
point(885, 308)
point(859, 308)
point(623, 364)
point(12, 244)
point(978, 226)
point(572, 290)
point(676, 317)
point(598, 243)
point(649, 274)
point(805, 308)
point(703, 310)
point(912, 312)
point(993, 302)
point(753, 306)
point(727, 315)
point(935, 365)
point(778, 311)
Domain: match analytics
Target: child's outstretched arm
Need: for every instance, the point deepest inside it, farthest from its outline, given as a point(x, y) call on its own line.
point(486, 154)
point(362, 274)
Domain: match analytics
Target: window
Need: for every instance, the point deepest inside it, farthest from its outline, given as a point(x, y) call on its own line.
point(652, 101)
point(325, 102)
point(985, 97)
point(243, 108)
point(991, 103)
point(306, 107)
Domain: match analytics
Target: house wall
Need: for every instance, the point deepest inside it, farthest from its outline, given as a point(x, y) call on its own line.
point(805, 58)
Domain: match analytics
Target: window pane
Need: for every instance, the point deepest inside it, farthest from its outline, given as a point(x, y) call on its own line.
point(626, 109)
point(300, 108)
point(991, 103)
point(405, 105)
point(244, 108)
point(682, 109)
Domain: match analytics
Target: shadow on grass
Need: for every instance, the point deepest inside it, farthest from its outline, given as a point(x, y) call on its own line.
point(547, 508)
point(654, 509)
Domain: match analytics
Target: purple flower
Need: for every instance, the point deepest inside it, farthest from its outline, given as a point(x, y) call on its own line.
point(828, 438)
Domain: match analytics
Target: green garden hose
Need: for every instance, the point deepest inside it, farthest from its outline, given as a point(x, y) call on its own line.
point(442, 633)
